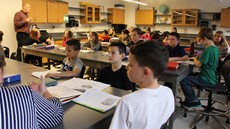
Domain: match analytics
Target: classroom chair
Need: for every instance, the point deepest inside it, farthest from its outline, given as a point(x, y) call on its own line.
point(6, 51)
point(81, 74)
point(210, 110)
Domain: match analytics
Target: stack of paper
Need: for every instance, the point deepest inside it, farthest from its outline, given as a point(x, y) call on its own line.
point(97, 100)
point(42, 73)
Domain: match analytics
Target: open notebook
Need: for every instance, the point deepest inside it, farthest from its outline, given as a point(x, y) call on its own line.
point(97, 100)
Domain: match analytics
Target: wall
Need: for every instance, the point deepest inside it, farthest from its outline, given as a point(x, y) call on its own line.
point(8, 9)
point(203, 5)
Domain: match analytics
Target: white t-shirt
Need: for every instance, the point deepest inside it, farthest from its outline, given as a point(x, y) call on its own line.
point(68, 65)
point(144, 109)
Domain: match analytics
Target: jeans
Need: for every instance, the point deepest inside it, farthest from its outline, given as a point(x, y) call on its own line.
point(23, 39)
point(187, 84)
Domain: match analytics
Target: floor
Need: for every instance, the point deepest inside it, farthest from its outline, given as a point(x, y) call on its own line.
point(185, 122)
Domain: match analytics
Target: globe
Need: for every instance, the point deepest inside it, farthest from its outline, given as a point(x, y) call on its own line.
point(163, 8)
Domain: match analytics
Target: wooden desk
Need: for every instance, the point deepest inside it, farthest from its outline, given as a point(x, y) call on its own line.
point(75, 116)
point(98, 60)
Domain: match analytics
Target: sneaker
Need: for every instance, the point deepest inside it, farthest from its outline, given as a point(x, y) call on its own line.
point(191, 105)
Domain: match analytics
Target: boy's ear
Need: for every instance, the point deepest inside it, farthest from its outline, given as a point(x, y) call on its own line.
point(122, 55)
point(147, 71)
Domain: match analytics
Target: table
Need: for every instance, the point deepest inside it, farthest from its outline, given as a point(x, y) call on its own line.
point(75, 116)
point(99, 60)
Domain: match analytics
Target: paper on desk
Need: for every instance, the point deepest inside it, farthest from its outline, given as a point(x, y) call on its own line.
point(63, 92)
point(86, 51)
point(42, 73)
point(187, 62)
point(97, 100)
point(83, 85)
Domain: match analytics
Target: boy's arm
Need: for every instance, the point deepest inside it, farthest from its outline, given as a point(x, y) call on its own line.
point(185, 57)
point(197, 63)
point(121, 118)
point(73, 73)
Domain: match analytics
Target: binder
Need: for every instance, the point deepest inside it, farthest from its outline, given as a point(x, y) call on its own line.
point(172, 65)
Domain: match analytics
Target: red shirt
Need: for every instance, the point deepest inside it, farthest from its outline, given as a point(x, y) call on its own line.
point(20, 23)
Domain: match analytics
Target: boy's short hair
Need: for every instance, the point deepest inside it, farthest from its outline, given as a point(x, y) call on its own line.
point(125, 31)
point(152, 54)
point(121, 47)
point(105, 31)
point(138, 30)
point(2, 57)
point(74, 43)
point(206, 32)
point(175, 34)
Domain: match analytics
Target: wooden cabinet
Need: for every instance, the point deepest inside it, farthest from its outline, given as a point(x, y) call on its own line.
point(91, 14)
point(38, 10)
point(184, 17)
point(56, 11)
point(144, 17)
point(225, 17)
point(117, 16)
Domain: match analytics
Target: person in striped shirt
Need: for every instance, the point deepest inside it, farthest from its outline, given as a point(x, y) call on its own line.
point(27, 107)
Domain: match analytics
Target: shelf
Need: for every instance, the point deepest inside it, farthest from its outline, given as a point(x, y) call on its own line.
point(106, 12)
point(76, 8)
point(209, 12)
point(163, 15)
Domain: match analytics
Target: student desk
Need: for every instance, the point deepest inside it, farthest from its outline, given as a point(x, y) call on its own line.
point(75, 116)
point(98, 60)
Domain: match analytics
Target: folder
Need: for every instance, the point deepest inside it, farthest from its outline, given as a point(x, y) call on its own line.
point(9, 79)
point(172, 65)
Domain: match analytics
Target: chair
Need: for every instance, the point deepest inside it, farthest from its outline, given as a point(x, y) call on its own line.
point(209, 110)
point(81, 74)
point(6, 51)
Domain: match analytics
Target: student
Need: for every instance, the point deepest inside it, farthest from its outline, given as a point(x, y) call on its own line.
point(147, 36)
point(93, 42)
point(221, 42)
point(174, 29)
point(72, 64)
point(207, 62)
point(67, 36)
point(135, 36)
point(104, 37)
point(152, 105)
point(116, 74)
point(176, 52)
point(24, 107)
point(112, 33)
point(35, 38)
point(125, 37)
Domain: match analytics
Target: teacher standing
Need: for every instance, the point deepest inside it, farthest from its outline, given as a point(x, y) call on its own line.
point(22, 27)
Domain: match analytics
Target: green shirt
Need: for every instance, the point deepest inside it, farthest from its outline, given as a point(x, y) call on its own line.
point(209, 60)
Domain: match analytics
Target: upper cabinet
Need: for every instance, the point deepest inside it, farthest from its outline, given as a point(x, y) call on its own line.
point(144, 17)
point(117, 15)
point(184, 17)
point(56, 11)
point(91, 14)
point(225, 17)
point(38, 10)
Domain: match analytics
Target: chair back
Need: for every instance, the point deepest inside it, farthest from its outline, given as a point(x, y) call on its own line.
point(81, 74)
point(6, 51)
point(225, 71)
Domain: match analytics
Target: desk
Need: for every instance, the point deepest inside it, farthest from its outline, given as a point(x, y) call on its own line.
point(75, 116)
point(98, 60)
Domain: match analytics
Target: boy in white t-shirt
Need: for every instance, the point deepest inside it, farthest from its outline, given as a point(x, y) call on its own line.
point(152, 105)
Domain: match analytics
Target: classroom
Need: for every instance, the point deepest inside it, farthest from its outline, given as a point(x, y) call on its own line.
point(114, 64)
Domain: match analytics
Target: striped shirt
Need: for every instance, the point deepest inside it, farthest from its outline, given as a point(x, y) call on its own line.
point(23, 108)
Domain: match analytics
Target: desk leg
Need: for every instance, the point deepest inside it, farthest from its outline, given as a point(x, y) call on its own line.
point(23, 57)
point(48, 63)
point(171, 120)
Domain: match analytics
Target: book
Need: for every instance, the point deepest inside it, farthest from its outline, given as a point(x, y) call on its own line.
point(42, 73)
point(172, 65)
point(12, 78)
point(50, 82)
point(97, 100)
point(83, 85)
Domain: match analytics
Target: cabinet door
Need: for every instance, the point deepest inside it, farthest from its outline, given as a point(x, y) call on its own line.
point(177, 17)
point(32, 9)
point(40, 11)
point(89, 14)
point(225, 18)
point(144, 17)
point(118, 16)
point(62, 10)
point(96, 15)
point(191, 17)
point(52, 11)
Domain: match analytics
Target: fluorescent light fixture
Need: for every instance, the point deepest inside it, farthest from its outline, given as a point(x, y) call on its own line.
point(136, 2)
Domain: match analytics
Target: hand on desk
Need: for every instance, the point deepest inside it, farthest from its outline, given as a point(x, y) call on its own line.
point(40, 88)
point(53, 75)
